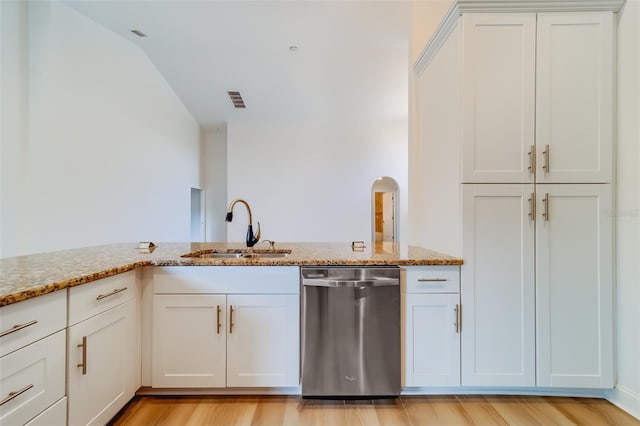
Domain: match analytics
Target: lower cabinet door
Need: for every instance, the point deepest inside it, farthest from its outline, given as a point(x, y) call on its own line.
point(498, 285)
point(101, 365)
point(432, 340)
point(263, 340)
point(31, 379)
point(189, 340)
point(574, 304)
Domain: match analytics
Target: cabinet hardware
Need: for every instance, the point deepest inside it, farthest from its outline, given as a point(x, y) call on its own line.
point(15, 394)
point(428, 280)
point(83, 345)
point(219, 309)
point(545, 153)
point(18, 327)
point(532, 207)
point(532, 159)
point(116, 291)
point(545, 213)
point(458, 323)
point(230, 319)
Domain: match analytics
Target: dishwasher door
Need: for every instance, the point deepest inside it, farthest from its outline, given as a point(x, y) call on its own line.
point(350, 332)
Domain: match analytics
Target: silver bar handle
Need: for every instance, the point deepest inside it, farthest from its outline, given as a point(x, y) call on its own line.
point(116, 291)
point(532, 207)
point(83, 345)
point(218, 324)
point(18, 327)
point(15, 394)
point(545, 154)
point(230, 319)
point(352, 283)
point(545, 213)
point(431, 280)
point(532, 159)
point(458, 324)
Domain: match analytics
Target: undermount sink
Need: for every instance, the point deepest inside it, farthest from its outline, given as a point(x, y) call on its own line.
point(238, 254)
point(218, 255)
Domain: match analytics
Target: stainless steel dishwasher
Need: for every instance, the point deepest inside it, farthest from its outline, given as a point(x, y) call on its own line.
point(350, 332)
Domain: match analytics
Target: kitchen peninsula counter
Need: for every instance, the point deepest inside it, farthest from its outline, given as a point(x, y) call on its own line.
point(24, 277)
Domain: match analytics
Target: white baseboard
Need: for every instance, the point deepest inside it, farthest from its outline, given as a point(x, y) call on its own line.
point(625, 399)
point(570, 392)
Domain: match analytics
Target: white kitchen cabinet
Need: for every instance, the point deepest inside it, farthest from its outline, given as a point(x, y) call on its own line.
point(32, 357)
point(243, 326)
point(574, 101)
point(571, 312)
point(534, 104)
point(103, 349)
point(56, 415)
point(551, 69)
point(431, 325)
point(262, 340)
point(26, 322)
point(498, 96)
point(432, 339)
point(498, 286)
point(189, 341)
point(574, 307)
point(32, 379)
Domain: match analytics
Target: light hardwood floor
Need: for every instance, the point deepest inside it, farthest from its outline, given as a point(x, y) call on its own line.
point(406, 410)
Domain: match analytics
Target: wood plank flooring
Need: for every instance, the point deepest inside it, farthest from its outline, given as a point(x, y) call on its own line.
point(407, 410)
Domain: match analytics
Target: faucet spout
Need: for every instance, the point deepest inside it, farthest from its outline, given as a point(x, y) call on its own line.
point(251, 238)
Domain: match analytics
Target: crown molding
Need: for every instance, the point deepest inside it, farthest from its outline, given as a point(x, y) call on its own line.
point(538, 5)
point(441, 34)
point(449, 22)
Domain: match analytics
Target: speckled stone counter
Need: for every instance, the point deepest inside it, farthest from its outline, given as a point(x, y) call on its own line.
point(25, 277)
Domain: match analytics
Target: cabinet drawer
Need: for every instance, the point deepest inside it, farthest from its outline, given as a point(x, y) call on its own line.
point(54, 415)
point(25, 322)
point(430, 279)
point(226, 279)
point(93, 298)
point(37, 374)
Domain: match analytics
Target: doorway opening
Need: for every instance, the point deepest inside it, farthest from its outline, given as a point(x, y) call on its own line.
point(197, 215)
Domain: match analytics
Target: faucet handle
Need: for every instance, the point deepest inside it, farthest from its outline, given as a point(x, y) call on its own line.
point(272, 244)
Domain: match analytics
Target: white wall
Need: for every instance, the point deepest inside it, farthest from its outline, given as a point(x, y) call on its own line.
point(13, 123)
point(214, 169)
point(111, 152)
point(627, 391)
point(312, 181)
point(425, 19)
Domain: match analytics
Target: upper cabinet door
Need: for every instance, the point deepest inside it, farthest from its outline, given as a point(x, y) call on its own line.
point(498, 97)
point(574, 97)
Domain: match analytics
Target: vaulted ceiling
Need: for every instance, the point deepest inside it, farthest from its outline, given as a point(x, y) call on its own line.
point(292, 61)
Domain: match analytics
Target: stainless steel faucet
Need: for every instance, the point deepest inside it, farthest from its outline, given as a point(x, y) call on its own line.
point(251, 239)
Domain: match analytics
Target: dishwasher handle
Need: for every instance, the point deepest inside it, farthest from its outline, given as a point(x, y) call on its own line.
point(385, 282)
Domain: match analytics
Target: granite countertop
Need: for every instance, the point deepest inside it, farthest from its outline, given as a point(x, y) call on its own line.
point(25, 277)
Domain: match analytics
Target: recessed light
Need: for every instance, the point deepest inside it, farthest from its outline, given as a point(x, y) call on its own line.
point(138, 33)
point(293, 48)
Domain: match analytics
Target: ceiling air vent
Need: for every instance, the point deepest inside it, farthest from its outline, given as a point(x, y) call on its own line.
point(237, 100)
point(138, 33)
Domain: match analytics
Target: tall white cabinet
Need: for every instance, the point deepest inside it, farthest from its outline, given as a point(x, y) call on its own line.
point(533, 176)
